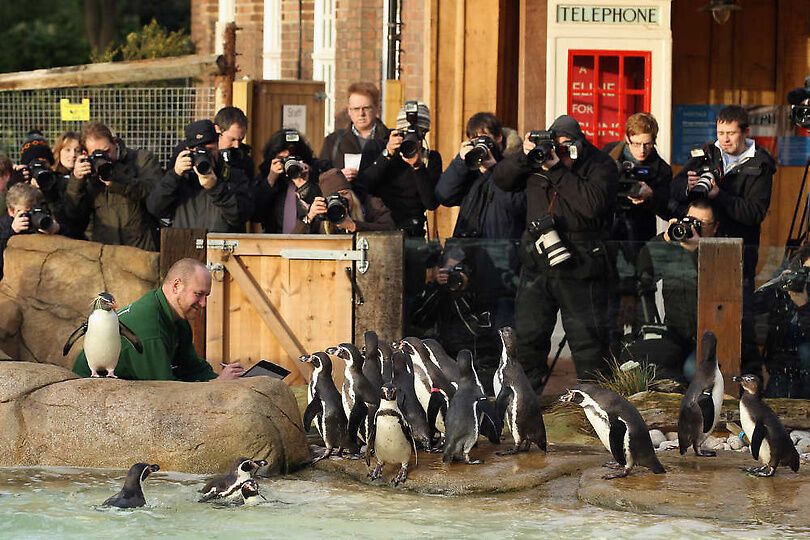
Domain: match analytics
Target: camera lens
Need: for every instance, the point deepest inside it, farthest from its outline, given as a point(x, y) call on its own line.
point(336, 208)
point(293, 168)
point(679, 231)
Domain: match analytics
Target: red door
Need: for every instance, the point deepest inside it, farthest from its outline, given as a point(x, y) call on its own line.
point(604, 88)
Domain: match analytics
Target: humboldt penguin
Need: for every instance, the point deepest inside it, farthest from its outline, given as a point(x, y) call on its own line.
point(619, 426)
point(517, 404)
point(392, 441)
point(433, 388)
point(701, 404)
point(372, 365)
point(131, 495)
point(770, 443)
point(446, 363)
point(468, 410)
point(325, 406)
point(249, 491)
point(403, 380)
point(360, 400)
point(227, 486)
point(102, 343)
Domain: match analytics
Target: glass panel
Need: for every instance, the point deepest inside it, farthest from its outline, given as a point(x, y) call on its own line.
point(581, 92)
point(634, 73)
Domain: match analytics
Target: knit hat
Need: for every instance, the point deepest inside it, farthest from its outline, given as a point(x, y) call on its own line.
point(567, 126)
point(332, 181)
point(422, 115)
point(35, 146)
point(200, 132)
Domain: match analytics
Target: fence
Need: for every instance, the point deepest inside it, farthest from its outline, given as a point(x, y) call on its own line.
point(150, 118)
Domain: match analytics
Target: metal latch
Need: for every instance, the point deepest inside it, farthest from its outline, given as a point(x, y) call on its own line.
point(360, 254)
point(224, 245)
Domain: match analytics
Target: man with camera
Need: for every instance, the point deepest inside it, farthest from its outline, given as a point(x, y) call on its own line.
point(25, 216)
point(109, 186)
point(402, 171)
point(200, 190)
point(231, 125)
point(570, 190)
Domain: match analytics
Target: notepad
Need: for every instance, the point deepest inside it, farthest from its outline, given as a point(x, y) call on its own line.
point(267, 368)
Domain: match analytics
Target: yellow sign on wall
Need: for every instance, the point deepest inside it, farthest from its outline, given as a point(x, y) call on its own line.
point(74, 112)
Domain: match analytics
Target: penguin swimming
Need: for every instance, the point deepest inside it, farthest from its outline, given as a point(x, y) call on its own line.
point(102, 344)
point(227, 486)
point(517, 404)
point(701, 404)
point(131, 495)
point(325, 406)
point(468, 409)
point(619, 426)
point(770, 443)
point(392, 441)
point(360, 400)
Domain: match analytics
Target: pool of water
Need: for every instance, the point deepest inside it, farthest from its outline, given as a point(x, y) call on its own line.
point(62, 502)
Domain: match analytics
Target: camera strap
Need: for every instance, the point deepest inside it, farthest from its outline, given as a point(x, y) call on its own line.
point(552, 203)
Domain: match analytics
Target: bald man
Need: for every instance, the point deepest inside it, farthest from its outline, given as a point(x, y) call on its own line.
point(160, 319)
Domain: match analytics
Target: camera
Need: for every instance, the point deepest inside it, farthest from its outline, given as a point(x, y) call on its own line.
point(548, 241)
point(38, 218)
point(100, 164)
point(41, 171)
point(630, 179)
point(201, 159)
point(481, 146)
point(545, 142)
point(455, 277)
point(337, 208)
point(231, 155)
point(293, 167)
point(708, 174)
point(682, 229)
point(794, 280)
point(799, 112)
point(412, 135)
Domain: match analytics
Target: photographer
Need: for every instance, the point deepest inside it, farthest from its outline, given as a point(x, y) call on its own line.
point(231, 126)
point(339, 210)
point(200, 190)
point(24, 216)
point(109, 186)
point(570, 190)
point(402, 171)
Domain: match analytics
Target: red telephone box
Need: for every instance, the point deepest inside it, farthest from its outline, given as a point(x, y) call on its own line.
point(604, 88)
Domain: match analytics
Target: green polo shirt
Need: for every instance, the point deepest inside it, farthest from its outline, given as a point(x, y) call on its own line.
point(168, 346)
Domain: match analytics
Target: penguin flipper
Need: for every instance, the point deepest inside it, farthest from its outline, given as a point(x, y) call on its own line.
point(617, 432)
point(131, 337)
point(760, 431)
point(79, 332)
point(502, 402)
point(489, 427)
point(435, 404)
point(706, 405)
point(311, 412)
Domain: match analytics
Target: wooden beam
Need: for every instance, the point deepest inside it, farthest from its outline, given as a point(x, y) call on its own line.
point(381, 287)
point(176, 67)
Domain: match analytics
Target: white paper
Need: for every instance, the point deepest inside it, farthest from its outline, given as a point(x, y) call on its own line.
point(294, 117)
point(352, 161)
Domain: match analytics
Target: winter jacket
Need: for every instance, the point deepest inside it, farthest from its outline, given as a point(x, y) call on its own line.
point(344, 141)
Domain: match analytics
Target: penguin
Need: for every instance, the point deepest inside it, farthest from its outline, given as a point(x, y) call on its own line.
point(770, 443)
point(392, 441)
point(227, 486)
point(619, 426)
point(445, 362)
point(412, 411)
point(701, 404)
point(360, 400)
point(433, 388)
point(325, 406)
point(517, 404)
point(372, 367)
point(468, 409)
point(131, 495)
point(102, 345)
point(249, 493)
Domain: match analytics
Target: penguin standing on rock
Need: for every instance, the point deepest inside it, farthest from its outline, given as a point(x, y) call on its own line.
point(360, 400)
point(619, 426)
point(392, 441)
point(102, 343)
point(325, 405)
point(701, 404)
point(770, 443)
point(433, 388)
point(372, 367)
point(412, 411)
point(228, 486)
point(131, 495)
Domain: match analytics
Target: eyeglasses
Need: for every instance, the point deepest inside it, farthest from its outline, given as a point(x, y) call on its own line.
point(645, 146)
point(366, 109)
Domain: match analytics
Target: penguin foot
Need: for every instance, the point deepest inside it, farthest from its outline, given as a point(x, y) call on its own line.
point(323, 456)
point(377, 472)
point(619, 474)
point(705, 453)
point(469, 461)
point(95, 375)
point(765, 471)
point(613, 465)
point(401, 476)
point(111, 375)
point(510, 452)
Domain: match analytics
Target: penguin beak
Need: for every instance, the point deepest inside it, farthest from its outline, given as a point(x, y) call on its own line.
point(154, 467)
point(303, 358)
point(332, 350)
point(736, 378)
point(566, 398)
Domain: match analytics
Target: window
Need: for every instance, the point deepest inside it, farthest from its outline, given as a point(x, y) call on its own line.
point(323, 57)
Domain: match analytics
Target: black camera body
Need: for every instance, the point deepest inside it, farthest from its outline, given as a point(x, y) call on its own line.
point(412, 136)
point(231, 155)
point(794, 280)
point(455, 277)
point(201, 159)
point(682, 229)
point(40, 170)
point(708, 173)
point(630, 179)
point(38, 218)
point(545, 142)
point(293, 167)
point(481, 146)
point(100, 164)
point(337, 208)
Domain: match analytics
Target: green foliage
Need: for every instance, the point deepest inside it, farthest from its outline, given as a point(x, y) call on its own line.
point(151, 41)
point(628, 378)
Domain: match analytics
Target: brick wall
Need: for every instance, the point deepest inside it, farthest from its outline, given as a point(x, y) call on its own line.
point(290, 30)
point(415, 39)
point(249, 38)
point(204, 14)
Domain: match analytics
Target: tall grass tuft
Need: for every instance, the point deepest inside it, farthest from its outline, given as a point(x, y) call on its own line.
point(628, 378)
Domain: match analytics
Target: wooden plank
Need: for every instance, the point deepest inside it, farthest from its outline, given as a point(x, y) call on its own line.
point(691, 56)
point(272, 244)
point(382, 288)
point(532, 66)
point(720, 299)
point(243, 99)
point(176, 67)
point(392, 101)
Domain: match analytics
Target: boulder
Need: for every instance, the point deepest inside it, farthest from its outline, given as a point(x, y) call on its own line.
point(657, 437)
point(50, 417)
point(803, 446)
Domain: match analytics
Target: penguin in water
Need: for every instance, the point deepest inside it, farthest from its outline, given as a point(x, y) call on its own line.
point(325, 406)
point(517, 404)
point(701, 404)
point(770, 443)
point(392, 441)
point(102, 345)
point(131, 495)
point(228, 486)
point(360, 400)
point(468, 409)
point(433, 388)
point(248, 495)
point(619, 426)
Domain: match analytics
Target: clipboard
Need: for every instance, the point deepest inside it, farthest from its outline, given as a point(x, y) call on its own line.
point(268, 369)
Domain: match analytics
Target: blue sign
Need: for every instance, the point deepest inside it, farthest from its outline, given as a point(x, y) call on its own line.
point(692, 127)
point(794, 150)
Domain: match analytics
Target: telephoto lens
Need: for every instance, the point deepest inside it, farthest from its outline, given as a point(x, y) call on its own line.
point(548, 241)
point(337, 208)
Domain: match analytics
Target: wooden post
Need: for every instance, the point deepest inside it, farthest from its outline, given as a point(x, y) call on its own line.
point(176, 244)
point(224, 81)
point(720, 300)
point(381, 287)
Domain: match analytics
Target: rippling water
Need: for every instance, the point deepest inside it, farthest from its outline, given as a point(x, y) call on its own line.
point(62, 502)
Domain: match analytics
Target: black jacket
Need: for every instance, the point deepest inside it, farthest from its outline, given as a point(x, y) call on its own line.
point(743, 201)
point(343, 141)
point(269, 200)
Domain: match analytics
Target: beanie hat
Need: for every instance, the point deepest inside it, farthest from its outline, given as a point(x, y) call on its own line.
point(35, 146)
point(567, 126)
point(332, 181)
point(200, 132)
point(422, 117)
